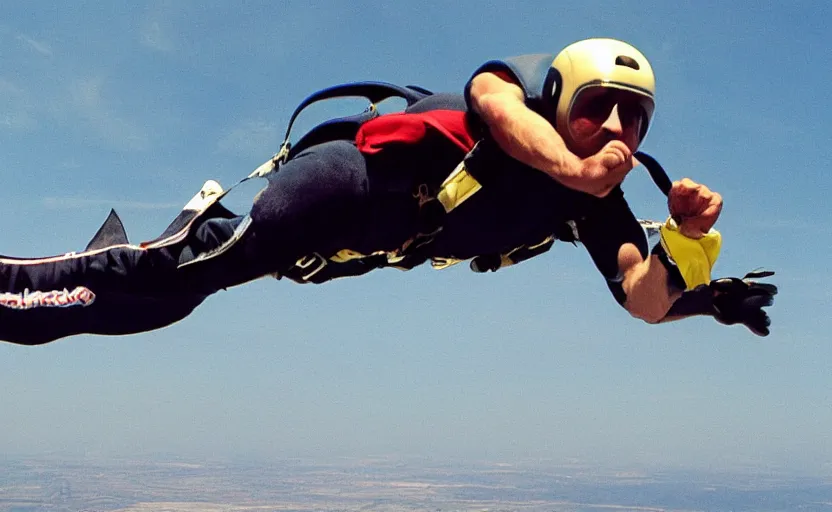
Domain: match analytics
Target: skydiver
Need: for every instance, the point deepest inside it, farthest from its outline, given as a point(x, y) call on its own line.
point(533, 150)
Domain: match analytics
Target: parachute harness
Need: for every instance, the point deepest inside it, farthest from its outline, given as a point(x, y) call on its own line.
point(688, 261)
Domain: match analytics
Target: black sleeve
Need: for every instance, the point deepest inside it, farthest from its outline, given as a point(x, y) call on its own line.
point(610, 224)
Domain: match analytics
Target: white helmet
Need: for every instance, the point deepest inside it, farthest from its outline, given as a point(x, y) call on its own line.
point(595, 63)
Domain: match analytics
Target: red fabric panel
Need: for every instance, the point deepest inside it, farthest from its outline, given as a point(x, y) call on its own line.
point(408, 128)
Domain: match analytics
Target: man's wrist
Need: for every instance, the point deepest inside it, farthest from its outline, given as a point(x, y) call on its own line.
point(699, 301)
point(685, 229)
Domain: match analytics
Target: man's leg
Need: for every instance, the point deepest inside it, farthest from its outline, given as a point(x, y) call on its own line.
point(316, 202)
point(111, 287)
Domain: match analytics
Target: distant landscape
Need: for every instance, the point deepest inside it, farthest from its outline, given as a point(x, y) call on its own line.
point(52, 484)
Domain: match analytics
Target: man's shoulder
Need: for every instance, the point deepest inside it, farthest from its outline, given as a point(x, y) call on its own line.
point(528, 70)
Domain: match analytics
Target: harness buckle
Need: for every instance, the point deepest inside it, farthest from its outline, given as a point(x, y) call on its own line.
point(313, 261)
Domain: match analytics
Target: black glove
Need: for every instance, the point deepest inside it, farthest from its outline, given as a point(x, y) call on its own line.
point(742, 301)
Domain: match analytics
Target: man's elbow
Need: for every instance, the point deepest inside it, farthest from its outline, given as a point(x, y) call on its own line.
point(645, 287)
point(648, 303)
point(649, 313)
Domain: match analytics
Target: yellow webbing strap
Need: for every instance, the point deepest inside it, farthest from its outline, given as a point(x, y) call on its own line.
point(457, 187)
point(345, 255)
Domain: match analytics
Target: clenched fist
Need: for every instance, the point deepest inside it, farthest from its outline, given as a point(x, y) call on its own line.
point(606, 169)
point(694, 207)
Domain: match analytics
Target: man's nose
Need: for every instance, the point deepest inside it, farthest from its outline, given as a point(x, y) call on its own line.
point(613, 123)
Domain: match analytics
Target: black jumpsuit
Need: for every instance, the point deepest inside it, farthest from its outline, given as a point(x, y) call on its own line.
point(328, 198)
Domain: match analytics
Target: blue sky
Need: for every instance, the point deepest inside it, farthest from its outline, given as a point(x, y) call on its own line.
point(134, 106)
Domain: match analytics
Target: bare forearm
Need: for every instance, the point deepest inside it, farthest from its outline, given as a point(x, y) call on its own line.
point(528, 137)
point(653, 298)
point(649, 296)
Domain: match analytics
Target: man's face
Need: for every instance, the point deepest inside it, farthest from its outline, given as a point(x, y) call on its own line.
point(600, 115)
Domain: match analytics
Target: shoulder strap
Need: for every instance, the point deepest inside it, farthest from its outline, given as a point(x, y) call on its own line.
point(342, 127)
point(375, 92)
point(657, 172)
